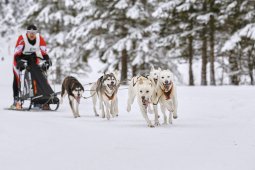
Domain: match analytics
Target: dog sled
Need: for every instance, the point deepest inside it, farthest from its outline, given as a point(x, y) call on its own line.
point(34, 89)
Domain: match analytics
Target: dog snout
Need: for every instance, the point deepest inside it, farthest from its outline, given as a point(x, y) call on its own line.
point(166, 82)
point(143, 97)
point(112, 83)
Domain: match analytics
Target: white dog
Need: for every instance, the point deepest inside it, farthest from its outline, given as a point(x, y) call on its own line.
point(154, 73)
point(105, 89)
point(165, 95)
point(142, 87)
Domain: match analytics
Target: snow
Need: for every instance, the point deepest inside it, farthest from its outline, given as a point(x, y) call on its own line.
point(247, 31)
point(215, 130)
point(122, 4)
point(231, 6)
point(134, 13)
point(162, 10)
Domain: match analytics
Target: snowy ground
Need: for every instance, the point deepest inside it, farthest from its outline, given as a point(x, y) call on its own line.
point(215, 130)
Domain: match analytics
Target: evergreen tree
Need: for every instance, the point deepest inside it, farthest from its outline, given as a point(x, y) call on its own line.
point(113, 31)
point(239, 17)
point(55, 19)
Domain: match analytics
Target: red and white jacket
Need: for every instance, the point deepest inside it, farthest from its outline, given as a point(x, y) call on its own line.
point(24, 47)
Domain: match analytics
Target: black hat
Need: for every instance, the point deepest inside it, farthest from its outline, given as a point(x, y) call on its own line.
point(31, 27)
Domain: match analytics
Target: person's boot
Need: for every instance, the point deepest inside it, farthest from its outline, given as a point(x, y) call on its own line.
point(46, 107)
point(16, 104)
point(13, 106)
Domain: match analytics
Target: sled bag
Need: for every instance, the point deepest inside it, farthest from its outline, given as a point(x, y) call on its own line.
point(39, 81)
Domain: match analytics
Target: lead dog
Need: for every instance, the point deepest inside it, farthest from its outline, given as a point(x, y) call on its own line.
point(165, 95)
point(142, 88)
point(105, 89)
point(73, 88)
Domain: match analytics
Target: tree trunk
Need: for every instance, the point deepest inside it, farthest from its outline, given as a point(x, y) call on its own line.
point(251, 66)
point(211, 39)
point(134, 70)
point(124, 65)
point(204, 58)
point(234, 78)
point(190, 56)
point(204, 50)
point(190, 49)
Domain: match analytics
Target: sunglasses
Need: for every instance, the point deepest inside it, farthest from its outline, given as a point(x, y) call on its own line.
point(31, 31)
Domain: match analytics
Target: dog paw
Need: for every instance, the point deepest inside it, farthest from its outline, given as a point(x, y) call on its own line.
point(151, 125)
point(97, 115)
point(171, 110)
point(175, 117)
point(108, 117)
point(157, 124)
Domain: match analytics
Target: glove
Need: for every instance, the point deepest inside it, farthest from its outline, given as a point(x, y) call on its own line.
point(48, 62)
point(46, 65)
point(21, 65)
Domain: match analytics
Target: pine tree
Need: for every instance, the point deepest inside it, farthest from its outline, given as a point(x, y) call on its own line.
point(114, 32)
point(239, 17)
point(55, 19)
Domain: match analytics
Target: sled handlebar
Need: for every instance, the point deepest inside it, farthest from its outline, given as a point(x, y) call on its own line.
point(41, 64)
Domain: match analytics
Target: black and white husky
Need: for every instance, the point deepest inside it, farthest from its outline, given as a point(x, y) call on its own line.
point(105, 90)
point(73, 88)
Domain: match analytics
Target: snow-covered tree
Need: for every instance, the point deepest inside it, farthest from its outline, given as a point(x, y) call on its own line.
point(114, 31)
point(239, 20)
point(54, 20)
point(11, 14)
point(177, 31)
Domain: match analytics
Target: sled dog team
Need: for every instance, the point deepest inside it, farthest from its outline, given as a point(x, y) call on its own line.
point(155, 89)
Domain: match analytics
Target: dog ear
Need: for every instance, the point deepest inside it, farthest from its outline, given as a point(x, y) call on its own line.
point(151, 81)
point(101, 78)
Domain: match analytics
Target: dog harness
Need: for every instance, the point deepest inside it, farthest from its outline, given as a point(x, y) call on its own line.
point(168, 93)
point(109, 97)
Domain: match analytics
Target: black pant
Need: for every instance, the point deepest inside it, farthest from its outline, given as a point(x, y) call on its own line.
point(15, 86)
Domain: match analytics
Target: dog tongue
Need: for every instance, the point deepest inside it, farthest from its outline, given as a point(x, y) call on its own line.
point(78, 99)
point(145, 102)
point(167, 86)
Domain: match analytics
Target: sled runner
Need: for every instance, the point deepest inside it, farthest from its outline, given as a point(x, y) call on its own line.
point(34, 88)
